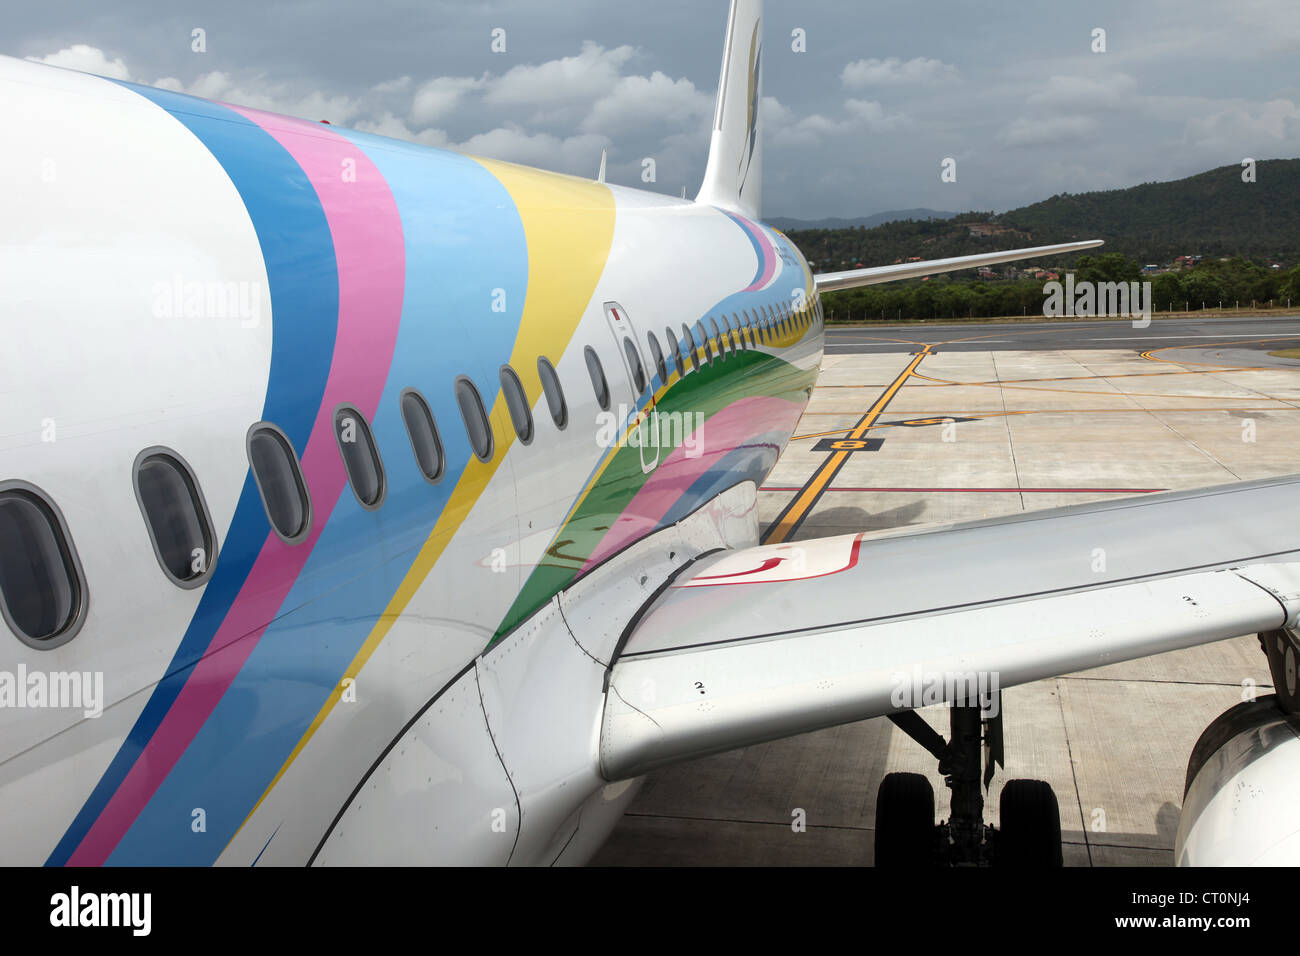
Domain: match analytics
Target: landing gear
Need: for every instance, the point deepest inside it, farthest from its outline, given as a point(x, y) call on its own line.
point(1282, 647)
point(906, 835)
point(1030, 837)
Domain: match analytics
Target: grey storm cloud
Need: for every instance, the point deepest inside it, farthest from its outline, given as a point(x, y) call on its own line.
point(858, 123)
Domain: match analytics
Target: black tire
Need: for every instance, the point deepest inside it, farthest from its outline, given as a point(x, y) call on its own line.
point(1030, 837)
point(905, 822)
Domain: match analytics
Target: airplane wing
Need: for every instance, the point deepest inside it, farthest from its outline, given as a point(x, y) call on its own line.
point(831, 281)
point(765, 642)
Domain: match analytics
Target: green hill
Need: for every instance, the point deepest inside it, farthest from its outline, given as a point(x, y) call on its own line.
point(1213, 214)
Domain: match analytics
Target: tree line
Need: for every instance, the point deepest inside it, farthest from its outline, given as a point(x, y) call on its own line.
point(1234, 282)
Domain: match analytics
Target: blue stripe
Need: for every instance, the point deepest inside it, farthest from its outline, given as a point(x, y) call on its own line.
point(303, 284)
point(463, 238)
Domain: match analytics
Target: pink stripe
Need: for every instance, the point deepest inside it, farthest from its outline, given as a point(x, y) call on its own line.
point(371, 257)
point(724, 432)
point(769, 256)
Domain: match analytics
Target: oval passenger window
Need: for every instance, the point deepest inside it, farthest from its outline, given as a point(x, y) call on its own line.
point(676, 352)
point(279, 482)
point(42, 592)
point(597, 373)
point(475, 417)
point(360, 456)
point(553, 391)
point(176, 516)
point(634, 363)
point(521, 414)
point(421, 428)
point(657, 354)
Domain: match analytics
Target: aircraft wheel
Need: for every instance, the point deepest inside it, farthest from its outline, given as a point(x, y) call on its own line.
point(905, 822)
point(1030, 836)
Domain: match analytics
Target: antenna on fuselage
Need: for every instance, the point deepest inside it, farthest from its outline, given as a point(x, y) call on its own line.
point(600, 176)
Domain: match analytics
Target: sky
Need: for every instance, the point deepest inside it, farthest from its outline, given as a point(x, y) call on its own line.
point(859, 121)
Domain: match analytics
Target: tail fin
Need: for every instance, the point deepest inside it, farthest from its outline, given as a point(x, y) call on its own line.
point(733, 178)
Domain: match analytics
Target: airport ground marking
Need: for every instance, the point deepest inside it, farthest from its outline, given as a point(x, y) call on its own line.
point(801, 505)
point(1009, 491)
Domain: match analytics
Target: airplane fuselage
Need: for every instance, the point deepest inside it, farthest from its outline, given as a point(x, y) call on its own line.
point(183, 276)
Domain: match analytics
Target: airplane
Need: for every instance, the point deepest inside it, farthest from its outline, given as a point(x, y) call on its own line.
point(368, 503)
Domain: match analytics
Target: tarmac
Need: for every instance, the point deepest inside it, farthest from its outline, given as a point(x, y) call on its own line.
point(998, 419)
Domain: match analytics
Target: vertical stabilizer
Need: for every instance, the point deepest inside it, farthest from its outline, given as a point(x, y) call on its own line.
point(733, 178)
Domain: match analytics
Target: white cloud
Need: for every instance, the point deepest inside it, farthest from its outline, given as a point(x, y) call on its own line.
point(1084, 93)
point(1053, 130)
point(775, 114)
point(438, 97)
point(811, 130)
point(87, 59)
point(543, 150)
point(566, 82)
point(637, 101)
point(399, 85)
point(1242, 128)
point(920, 71)
point(872, 115)
point(395, 127)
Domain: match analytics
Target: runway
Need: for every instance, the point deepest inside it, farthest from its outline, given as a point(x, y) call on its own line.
point(970, 421)
point(1075, 335)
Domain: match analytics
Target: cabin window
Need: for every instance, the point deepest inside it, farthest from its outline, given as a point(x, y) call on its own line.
point(675, 351)
point(553, 391)
point(690, 344)
point(279, 481)
point(475, 417)
point(42, 590)
point(360, 456)
point(176, 517)
point(657, 354)
point(739, 330)
point(598, 383)
point(521, 413)
point(423, 432)
point(634, 363)
point(702, 336)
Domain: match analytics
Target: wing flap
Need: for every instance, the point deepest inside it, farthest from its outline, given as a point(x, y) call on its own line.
point(775, 640)
point(670, 707)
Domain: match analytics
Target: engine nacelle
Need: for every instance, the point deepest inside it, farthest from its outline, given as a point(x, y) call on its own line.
point(1243, 787)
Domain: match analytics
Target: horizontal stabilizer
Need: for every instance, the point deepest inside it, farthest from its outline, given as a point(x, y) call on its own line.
point(831, 281)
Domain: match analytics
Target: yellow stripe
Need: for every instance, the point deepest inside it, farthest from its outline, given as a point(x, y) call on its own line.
point(569, 230)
